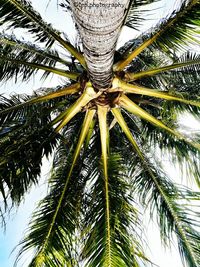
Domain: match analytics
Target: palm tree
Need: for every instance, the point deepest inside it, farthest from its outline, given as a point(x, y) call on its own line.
point(116, 112)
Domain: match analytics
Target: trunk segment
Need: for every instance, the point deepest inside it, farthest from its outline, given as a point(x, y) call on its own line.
point(99, 23)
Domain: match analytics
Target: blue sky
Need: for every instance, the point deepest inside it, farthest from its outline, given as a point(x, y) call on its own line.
point(17, 222)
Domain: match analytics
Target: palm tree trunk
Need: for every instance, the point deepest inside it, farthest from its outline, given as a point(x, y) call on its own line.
point(99, 23)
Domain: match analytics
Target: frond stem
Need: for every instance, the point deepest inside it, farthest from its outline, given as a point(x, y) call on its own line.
point(102, 116)
point(129, 105)
point(139, 90)
point(151, 72)
point(61, 72)
point(88, 95)
point(75, 88)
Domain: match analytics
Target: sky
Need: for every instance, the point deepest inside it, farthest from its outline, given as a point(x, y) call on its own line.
point(18, 220)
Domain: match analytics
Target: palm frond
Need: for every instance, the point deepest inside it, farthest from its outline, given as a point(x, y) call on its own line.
point(179, 27)
point(26, 135)
point(102, 117)
point(109, 239)
point(134, 14)
point(178, 151)
point(15, 67)
point(12, 45)
point(138, 111)
point(22, 59)
point(88, 95)
point(20, 14)
point(18, 107)
point(124, 247)
point(23, 143)
point(188, 62)
point(56, 248)
point(156, 191)
point(182, 83)
point(57, 217)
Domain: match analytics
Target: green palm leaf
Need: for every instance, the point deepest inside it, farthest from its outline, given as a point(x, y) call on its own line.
point(20, 14)
point(185, 23)
point(134, 15)
point(13, 45)
point(20, 59)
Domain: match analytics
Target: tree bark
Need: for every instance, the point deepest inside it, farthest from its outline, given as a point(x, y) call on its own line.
point(99, 23)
